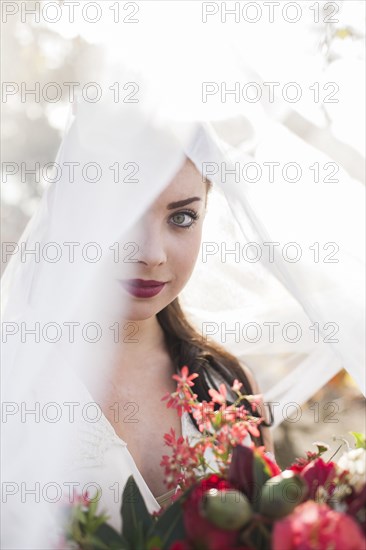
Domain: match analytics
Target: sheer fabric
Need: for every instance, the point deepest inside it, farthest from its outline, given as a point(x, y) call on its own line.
point(295, 321)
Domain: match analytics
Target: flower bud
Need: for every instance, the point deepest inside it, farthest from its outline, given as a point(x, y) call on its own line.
point(281, 494)
point(227, 509)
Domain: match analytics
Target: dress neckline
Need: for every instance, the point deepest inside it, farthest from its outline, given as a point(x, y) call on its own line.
point(119, 439)
point(107, 422)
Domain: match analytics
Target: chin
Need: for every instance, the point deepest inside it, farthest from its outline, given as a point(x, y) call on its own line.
point(141, 312)
point(138, 309)
point(135, 316)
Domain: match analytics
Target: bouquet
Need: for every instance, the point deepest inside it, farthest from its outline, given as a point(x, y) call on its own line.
point(246, 503)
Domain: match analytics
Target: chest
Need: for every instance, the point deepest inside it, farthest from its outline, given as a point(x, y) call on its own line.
point(142, 426)
point(147, 450)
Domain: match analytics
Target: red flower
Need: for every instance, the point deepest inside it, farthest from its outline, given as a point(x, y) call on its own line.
point(244, 461)
point(315, 526)
point(356, 503)
point(319, 474)
point(300, 463)
point(203, 533)
point(298, 466)
point(180, 545)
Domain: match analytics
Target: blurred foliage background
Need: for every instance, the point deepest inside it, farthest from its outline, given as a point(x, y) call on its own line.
point(32, 131)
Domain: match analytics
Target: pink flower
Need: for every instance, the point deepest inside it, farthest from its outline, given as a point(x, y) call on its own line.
point(218, 396)
point(179, 466)
point(315, 526)
point(180, 401)
point(79, 499)
point(183, 399)
point(252, 429)
point(256, 402)
point(239, 432)
point(184, 378)
point(236, 385)
point(203, 413)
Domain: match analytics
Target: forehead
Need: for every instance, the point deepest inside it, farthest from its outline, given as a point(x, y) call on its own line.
point(187, 182)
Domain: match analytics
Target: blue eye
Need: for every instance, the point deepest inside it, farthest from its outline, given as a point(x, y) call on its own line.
point(184, 218)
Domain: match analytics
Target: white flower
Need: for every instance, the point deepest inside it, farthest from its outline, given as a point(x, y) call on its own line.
point(354, 461)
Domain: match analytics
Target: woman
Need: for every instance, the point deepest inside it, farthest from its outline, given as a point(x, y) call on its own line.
point(168, 239)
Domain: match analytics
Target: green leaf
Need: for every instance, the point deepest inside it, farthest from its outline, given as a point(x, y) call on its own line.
point(322, 447)
point(112, 538)
point(96, 522)
point(136, 520)
point(261, 474)
point(76, 533)
point(92, 508)
point(170, 526)
point(359, 439)
point(94, 543)
point(259, 538)
point(216, 421)
point(80, 515)
point(154, 542)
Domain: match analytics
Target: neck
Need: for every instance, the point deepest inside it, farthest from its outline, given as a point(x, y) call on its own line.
point(140, 360)
point(138, 341)
point(141, 357)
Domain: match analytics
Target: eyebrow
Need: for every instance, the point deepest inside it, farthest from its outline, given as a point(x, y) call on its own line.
point(177, 204)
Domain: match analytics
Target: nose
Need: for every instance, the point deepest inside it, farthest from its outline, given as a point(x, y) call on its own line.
point(150, 245)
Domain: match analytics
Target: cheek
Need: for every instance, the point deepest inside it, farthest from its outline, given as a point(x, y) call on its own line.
point(183, 256)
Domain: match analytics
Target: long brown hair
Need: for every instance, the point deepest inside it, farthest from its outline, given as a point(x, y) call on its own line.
point(207, 358)
point(187, 347)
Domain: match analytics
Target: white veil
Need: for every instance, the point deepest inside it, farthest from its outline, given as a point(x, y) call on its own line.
point(234, 301)
point(278, 281)
point(282, 284)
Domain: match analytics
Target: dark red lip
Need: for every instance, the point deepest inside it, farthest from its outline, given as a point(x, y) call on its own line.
point(143, 282)
point(142, 288)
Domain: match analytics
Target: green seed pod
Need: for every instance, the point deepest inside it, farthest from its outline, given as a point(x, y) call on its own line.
point(227, 509)
point(281, 494)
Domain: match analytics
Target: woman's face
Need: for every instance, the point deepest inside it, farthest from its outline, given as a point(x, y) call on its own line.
point(167, 241)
